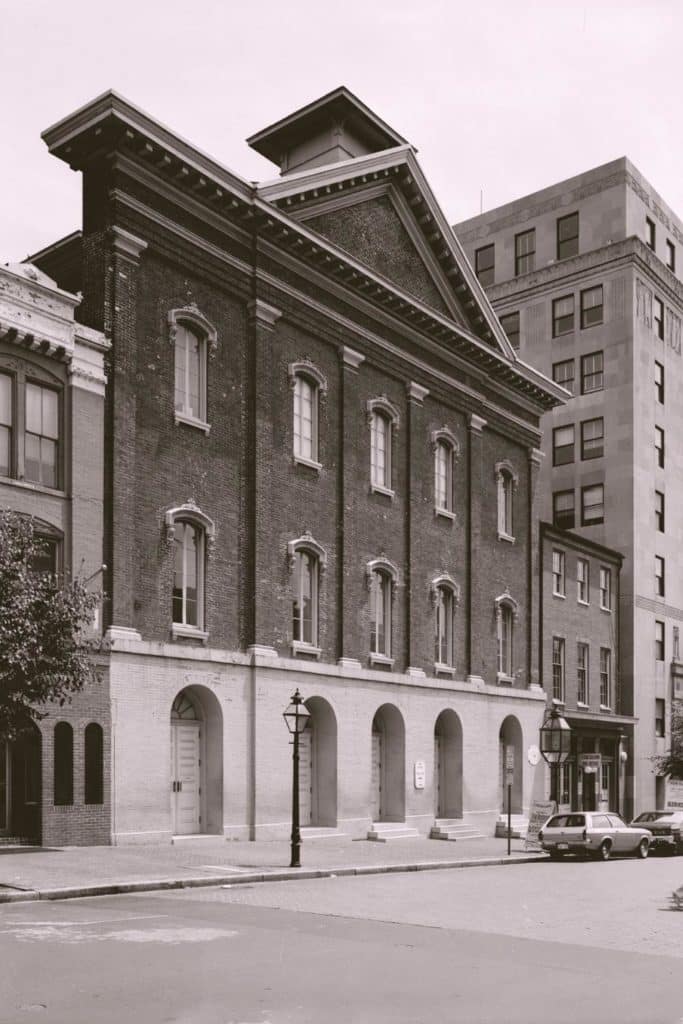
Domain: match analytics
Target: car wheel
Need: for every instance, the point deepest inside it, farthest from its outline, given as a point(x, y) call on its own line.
point(643, 849)
point(605, 850)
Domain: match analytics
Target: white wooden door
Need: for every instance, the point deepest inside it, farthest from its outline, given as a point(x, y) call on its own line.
point(185, 778)
point(376, 777)
point(305, 777)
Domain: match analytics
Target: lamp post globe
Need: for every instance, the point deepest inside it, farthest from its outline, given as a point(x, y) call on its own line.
point(556, 746)
point(296, 717)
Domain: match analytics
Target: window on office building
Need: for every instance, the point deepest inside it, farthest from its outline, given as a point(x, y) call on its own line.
point(558, 668)
point(670, 255)
point(605, 677)
point(660, 585)
point(592, 373)
point(659, 382)
point(605, 589)
point(563, 445)
point(650, 233)
point(660, 717)
point(568, 236)
point(658, 316)
point(563, 373)
point(510, 324)
point(591, 307)
point(659, 511)
point(659, 640)
point(659, 446)
point(592, 438)
point(525, 252)
point(484, 264)
point(592, 505)
point(582, 580)
point(563, 315)
point(564, 513)
point(582, 673)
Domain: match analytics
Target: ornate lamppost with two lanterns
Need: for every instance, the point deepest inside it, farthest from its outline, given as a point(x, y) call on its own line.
point(556, 747)
point(297, 717)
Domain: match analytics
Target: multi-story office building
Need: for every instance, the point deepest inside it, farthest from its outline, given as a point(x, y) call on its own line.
point(586, 278)
point(321, 453)
point(54, 778)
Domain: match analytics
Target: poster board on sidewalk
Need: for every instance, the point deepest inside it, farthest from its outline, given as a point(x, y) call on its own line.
point(539, 812)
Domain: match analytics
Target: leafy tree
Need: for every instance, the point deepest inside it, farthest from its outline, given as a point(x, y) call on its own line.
point(44, 649)
point(671, 763)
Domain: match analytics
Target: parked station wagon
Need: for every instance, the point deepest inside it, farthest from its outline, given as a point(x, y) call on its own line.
point(593, 834)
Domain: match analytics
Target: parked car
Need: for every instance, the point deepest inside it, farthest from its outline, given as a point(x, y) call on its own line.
point(666, 828)
point(593, 834)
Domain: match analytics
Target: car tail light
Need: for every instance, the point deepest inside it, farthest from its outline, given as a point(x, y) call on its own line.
point(584, 835)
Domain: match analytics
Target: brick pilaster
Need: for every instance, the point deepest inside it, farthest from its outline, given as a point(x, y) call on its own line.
point(350, 445)
point(416, 467)
point(534, 562)
point(476, 611)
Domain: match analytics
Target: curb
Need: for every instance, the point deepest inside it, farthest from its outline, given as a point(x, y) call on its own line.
point(158, 885)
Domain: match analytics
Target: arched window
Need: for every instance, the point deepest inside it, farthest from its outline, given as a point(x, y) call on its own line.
point(445, 596)
point(192, 336)
point(506, 614)
point(506, 482)
point(189, 532)
point(383, 418)
point(382, 580)
point(94, 752)
point(307, 385)
point(307, 560)
point(63, 773)
point(444, 447)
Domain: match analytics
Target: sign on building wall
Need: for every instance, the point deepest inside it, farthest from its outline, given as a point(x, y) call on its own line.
point(420, 775)
point(674, 794)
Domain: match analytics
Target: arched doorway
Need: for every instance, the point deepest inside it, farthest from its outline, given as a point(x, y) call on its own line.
point(318, 766)
point(510, 748)
point(448, 765)
point(387, 775)
point(196, 762)
point(20, 786)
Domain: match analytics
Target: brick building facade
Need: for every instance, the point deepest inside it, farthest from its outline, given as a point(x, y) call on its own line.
point(51, 436)
point(321, 455)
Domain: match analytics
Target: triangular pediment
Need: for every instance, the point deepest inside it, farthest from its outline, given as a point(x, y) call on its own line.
point(380, 210)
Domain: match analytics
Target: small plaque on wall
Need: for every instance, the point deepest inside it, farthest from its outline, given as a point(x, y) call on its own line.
point(419, 775)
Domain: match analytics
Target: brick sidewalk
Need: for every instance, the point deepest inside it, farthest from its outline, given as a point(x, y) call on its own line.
point(37, 872)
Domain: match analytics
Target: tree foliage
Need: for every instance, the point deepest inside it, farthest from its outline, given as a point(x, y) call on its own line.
point(44, 647)
point(671, 763)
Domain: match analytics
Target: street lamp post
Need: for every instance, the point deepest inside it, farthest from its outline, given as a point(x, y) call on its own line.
point(556, 747)
point(296, 719)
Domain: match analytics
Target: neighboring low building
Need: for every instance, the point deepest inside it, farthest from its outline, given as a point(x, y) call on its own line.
point(579, 635)
point(321, 453)
point(586, 278)
point(54, 780)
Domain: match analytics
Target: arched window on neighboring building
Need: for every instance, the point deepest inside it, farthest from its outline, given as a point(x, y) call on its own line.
point(63, 771)
point(307, 385)
point(190, 532)
point(307, 561)
point(94, 764)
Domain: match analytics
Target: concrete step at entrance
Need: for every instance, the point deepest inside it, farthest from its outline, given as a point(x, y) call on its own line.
point(318, 832)
point(453, 829)
point(386, 831)
point(519, 823)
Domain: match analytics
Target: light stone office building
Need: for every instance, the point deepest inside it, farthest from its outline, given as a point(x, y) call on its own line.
point(585, 276)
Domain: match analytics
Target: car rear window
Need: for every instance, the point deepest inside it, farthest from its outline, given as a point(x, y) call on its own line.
point(567, 821)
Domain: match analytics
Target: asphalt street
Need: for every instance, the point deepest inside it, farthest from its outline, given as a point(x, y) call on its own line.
point(538, 942)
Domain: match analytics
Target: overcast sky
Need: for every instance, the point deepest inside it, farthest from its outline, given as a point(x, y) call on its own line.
point(500, 97)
